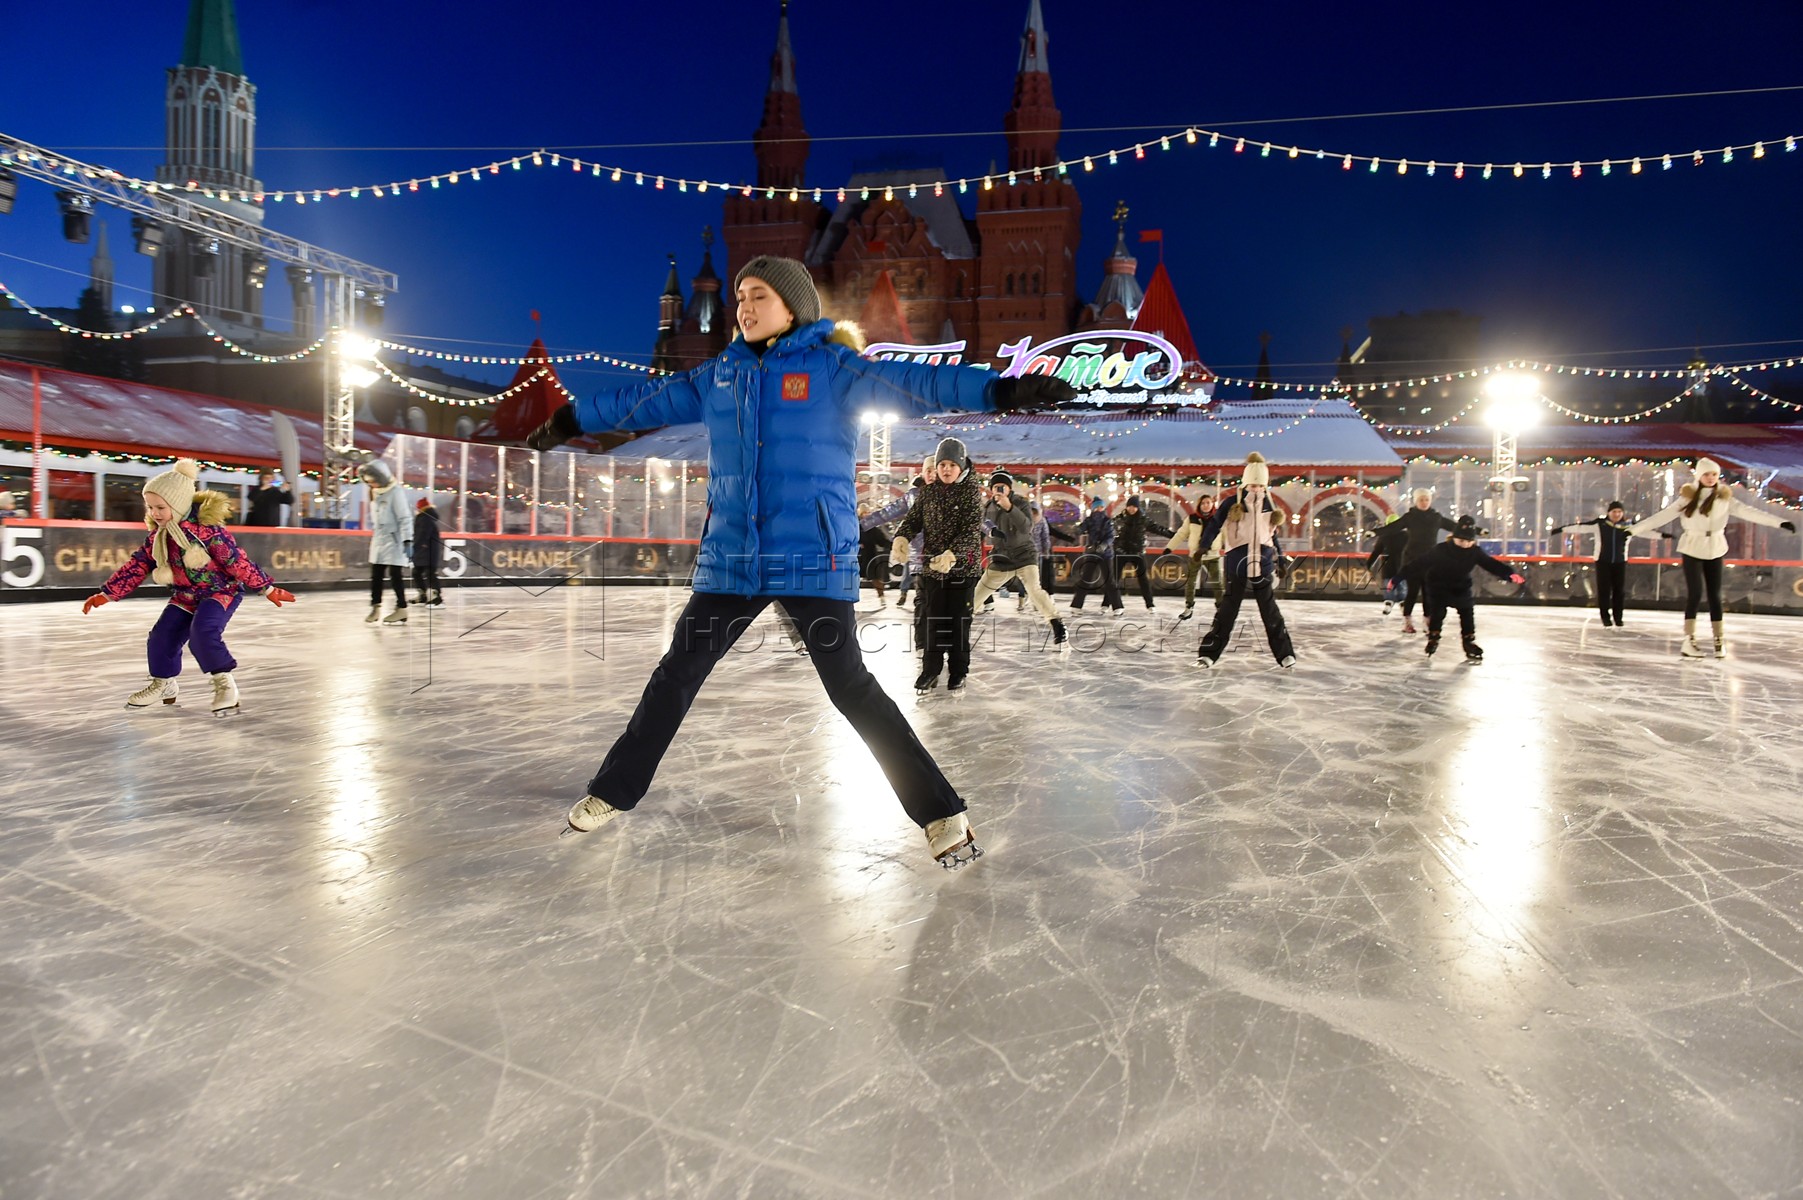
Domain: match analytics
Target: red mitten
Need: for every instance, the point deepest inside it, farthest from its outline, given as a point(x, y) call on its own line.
point(93, 602)
point(279, 596)
point(1517, 579)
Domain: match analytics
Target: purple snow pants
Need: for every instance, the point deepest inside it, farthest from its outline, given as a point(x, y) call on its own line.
point(202, 631)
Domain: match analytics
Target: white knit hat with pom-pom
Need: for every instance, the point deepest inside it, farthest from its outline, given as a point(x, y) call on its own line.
point(176, 488)
point(1256, 473)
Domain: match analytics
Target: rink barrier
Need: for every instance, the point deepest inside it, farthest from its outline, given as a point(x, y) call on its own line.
point(45, 560)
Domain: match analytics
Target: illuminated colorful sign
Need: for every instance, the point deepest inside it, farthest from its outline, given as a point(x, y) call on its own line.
point(1090, 362)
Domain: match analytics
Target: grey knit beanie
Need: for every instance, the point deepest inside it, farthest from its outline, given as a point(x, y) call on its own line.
point(790, 280)
point(952, 450)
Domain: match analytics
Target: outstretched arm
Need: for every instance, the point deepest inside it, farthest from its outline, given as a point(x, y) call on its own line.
point(1747, 512)
point(918, 388)
point(1646, 525)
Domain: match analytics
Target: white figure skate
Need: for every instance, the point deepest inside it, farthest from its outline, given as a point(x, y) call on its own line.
point(225, 694)
point(949, 835)
point(590, 813)
point(150, 693)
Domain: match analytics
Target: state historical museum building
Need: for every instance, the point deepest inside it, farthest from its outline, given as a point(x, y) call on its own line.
point(906, 264)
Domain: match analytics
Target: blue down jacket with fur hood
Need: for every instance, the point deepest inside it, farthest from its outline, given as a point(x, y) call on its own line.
point(783, 433)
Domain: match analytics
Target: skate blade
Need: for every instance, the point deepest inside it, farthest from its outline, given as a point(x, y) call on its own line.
point(233, 711)
point(951, 860)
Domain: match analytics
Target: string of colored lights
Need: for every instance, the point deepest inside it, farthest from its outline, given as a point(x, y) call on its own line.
point(235, 348)
point(499, 360)
point(77, 331)
point(1228, 380)
point(458, 401)
point(1756, 393)
point(1633, 164)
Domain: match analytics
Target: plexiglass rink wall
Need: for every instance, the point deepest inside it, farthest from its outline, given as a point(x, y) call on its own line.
point(498, 489)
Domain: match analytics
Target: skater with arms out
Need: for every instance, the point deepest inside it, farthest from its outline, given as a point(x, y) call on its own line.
point(1444, 574)
point(781, 407)
point(189, 551)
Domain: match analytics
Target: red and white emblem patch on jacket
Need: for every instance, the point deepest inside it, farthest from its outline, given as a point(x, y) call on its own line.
point(795, 385)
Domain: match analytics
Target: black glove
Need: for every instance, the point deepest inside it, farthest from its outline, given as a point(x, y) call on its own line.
point(1284, 563)
point(1031, 391)
point(1788, 526)
point(553, 433)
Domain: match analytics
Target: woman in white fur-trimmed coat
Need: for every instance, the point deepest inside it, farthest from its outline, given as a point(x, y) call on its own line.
point(1702, 509)
point(1251, 559)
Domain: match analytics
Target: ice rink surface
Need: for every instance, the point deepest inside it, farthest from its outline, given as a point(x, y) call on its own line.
point(1377, 927)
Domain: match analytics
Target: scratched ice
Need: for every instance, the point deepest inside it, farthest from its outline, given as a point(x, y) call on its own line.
point(1382, 926)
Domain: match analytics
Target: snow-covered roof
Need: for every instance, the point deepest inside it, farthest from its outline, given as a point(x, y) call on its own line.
point(109, 414)
point(1290, 433)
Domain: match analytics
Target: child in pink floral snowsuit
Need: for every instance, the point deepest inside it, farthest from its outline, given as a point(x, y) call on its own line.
point(190, 551)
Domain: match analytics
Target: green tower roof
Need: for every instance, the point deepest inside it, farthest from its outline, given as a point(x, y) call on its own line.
point(212, 39)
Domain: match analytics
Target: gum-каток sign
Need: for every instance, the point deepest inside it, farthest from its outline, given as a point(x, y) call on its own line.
point(1123, 361)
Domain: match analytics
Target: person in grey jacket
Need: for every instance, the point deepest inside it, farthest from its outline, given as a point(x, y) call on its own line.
point(391, 539)
point(1015, 555)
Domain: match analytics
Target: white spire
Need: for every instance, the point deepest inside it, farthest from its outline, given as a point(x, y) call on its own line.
point(1033, 42)
point(782, 63)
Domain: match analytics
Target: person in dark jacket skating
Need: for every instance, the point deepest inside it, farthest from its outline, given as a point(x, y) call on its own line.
point(781, 405)
point(949, 519)
point(1421, 527)
point(1386, 559)
point(1097, 532)
point(428, 551)
point(1445, 573)
point(1016, 553)
point(1130, 529)
point(1611, 559)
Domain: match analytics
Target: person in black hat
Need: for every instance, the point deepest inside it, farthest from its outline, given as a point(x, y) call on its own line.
point(1445, 576)
point(1097, 531)
point(949, 518)
point(1611, 559)
point(1130, 529)
point(1014, 556)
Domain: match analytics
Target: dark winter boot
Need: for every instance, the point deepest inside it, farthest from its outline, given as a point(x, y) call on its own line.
point(1433, 641)
point(1058, 638)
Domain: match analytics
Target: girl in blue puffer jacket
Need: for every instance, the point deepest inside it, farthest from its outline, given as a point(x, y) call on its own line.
point(781, 405)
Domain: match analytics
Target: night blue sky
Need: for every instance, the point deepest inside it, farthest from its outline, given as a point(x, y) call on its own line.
point(1600, 271)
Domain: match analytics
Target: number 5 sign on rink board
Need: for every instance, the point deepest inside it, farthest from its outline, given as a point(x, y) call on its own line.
point(15, 544)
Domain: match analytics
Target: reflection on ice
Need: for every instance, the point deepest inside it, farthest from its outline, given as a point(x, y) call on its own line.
point(1380, 926)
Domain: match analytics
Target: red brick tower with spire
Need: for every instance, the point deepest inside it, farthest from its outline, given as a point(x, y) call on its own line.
point(779, 217)
point(1028, 218)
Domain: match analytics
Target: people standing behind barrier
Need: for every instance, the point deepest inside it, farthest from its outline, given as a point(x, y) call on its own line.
point(1611, 559)
point(892, 512)
point(391, 532)
point(1702, 510)
point(1130, 529)
point(1014, 556)
point(949, 518)
point(1421, 527)
point(189, 551)
point(1445, 576)
point(9, 507)
point(427, 553)
point(1385, 559)
point(1252, 560)
point(1097, 532)
point(266, 500)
